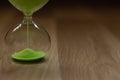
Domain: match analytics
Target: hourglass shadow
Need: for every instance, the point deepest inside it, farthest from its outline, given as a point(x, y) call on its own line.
point(38, 61)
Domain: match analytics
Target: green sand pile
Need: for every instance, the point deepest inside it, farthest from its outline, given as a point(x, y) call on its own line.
point(28, 55)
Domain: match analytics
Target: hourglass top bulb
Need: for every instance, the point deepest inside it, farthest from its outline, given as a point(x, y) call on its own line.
point(28, 7)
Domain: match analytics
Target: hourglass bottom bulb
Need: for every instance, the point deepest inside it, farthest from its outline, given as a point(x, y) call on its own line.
point(26, 36)
point(28, 55)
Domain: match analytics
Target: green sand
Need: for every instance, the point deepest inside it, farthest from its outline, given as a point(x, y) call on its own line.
point(28, 6)
point(28, 55)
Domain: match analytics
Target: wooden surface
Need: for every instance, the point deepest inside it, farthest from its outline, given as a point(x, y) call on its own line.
point(85, 45)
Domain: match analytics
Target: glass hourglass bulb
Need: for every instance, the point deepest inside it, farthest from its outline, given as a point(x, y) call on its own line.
point(28, 40)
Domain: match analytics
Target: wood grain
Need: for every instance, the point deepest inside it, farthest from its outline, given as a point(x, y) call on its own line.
point(85, 45)
point(88, 44)
point(48, 69)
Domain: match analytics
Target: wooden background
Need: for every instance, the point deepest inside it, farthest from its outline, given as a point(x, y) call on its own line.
point(85, 44)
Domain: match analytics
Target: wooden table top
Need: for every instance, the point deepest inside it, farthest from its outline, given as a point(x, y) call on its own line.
point(85, 45)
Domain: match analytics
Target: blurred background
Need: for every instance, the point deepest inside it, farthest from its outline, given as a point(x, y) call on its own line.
point(86, 33)
point(61, 4)
point(77, 2)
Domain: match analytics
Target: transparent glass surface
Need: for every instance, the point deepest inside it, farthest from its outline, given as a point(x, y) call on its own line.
point(27, 34)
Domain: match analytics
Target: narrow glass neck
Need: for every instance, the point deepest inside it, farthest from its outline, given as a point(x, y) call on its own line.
point(28, 14)
point(27, 19)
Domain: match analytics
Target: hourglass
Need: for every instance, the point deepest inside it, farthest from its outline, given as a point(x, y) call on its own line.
point(27, 40)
